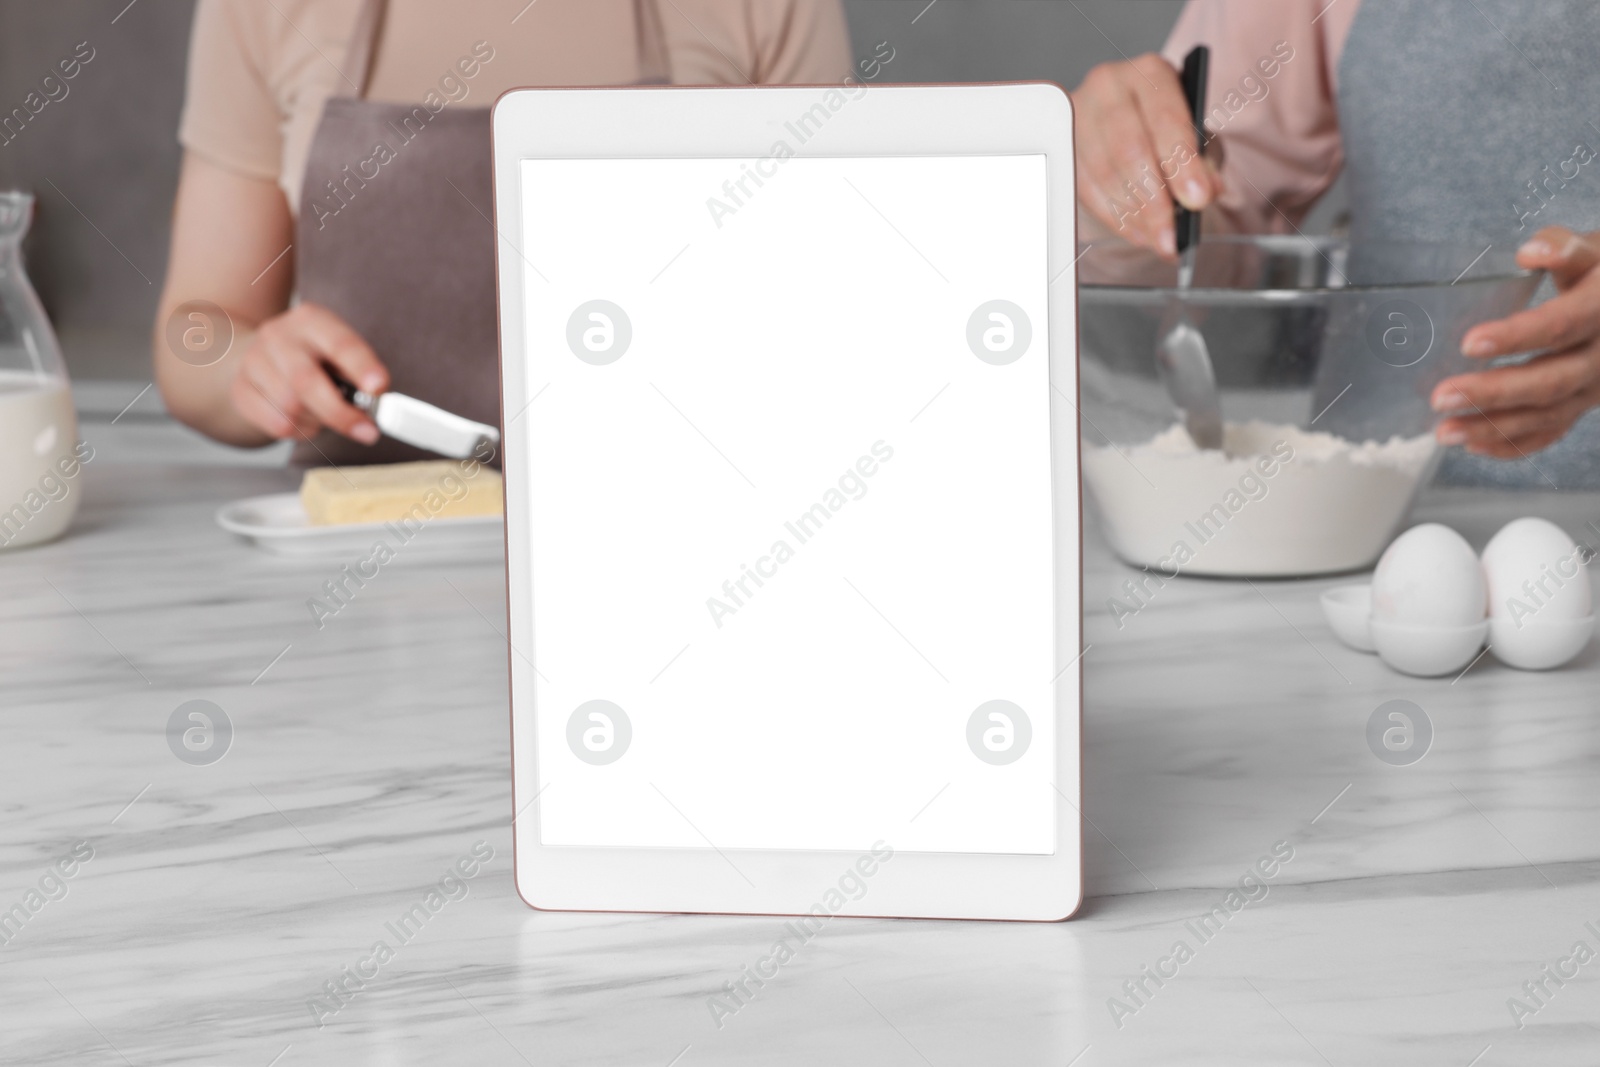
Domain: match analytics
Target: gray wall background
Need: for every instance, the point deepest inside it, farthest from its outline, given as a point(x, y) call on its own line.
point(103, 159)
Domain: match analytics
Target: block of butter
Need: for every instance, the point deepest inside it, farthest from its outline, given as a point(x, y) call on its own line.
point(393, 492)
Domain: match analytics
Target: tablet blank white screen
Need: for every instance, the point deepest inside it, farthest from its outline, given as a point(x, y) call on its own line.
point(798, 347)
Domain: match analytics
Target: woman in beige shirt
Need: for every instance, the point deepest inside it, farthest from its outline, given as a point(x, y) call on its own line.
point(260, 80)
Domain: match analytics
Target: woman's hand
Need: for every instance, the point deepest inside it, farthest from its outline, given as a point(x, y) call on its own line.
point(1136, 151)
point(282, 385)
point(232, 244)
point(1508, 412)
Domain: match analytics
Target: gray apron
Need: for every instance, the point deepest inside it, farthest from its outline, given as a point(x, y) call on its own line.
point(403, 249)
point(1445, 123)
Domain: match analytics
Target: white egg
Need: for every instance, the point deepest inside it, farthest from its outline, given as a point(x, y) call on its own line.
point(1429, 576)
point(1535, 571)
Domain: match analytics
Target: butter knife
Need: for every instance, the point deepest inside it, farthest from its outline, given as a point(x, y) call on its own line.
point(417, 422)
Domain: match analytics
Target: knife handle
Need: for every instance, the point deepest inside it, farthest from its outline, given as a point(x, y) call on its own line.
point(352, 395)
point(1196, 71)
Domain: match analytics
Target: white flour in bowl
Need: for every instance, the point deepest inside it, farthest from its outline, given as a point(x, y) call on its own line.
point(1277, 501)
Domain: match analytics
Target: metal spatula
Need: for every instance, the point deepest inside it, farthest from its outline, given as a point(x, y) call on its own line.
point(1182, 356)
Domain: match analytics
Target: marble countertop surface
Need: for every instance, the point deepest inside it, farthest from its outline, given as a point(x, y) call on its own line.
point(195, 914)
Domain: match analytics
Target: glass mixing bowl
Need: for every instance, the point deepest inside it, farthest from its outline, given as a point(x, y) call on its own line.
point(1325, 354)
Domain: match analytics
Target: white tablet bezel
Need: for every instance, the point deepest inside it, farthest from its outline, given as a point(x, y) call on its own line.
point(668, 122)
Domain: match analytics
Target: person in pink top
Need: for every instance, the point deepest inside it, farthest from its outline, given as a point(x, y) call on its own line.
point(1424, 83)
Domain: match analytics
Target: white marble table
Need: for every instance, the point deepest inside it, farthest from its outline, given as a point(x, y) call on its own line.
point(371, 755)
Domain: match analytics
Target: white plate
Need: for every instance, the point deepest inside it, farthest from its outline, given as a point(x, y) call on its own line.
point(278, 524)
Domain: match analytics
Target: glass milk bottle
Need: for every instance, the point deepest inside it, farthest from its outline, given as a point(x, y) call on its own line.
point(40, 478)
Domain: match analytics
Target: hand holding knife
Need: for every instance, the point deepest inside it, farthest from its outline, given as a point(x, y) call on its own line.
point(419, 423)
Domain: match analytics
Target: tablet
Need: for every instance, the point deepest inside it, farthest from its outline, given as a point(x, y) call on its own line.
point(792, 499)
